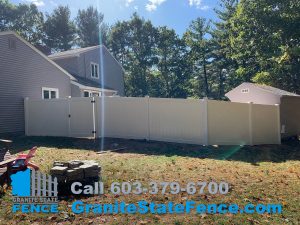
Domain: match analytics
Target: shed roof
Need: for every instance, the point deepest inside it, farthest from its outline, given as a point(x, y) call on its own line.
point(273, 90)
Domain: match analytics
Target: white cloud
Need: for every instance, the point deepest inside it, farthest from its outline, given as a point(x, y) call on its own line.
point(198, 4)
point(136, 8)
point(53, 3)
point(205, 7)
point(36, 2)
point(152, 4)
point(128, 2)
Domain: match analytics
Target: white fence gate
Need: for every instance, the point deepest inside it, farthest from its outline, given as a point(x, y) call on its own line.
point(192, 121)
point(70, 117)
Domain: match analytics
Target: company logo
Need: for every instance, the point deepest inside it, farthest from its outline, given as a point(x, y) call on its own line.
point(34, 192)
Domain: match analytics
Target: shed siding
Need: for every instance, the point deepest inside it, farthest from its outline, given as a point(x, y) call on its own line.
point(255, 95)
point(290, 115)
point(23, 73)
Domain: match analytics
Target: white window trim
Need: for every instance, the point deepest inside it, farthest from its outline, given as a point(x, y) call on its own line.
point(92, 92)
point(50, 89)
point(95, 64)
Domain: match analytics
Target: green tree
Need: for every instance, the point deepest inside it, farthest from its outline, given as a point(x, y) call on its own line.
point(91, 27)
point(223, 66)
point(137, 42)
point(6, 14)
point(24, 19)
point(119, 43)
point(60, 30)
point(172, 66)
point(265, 38)
point(29, 23)
point(197, 40)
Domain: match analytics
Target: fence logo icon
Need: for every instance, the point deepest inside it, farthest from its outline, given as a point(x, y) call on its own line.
point(38, 185)
point(43, 185)
point(34, 192)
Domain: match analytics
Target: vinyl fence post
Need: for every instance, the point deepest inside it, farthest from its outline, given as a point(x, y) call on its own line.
point(69, 116)
point(94, 118)
point(205, 119)
point(278, 123)
point(250, 124)
point(148, 117)
point(26, 116)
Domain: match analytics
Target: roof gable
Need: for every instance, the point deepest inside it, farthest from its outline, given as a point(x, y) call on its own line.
point(76, 53)
point(72, 52)
point(37, 51)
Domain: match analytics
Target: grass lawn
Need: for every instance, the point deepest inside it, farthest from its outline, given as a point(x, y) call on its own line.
point(258, 174)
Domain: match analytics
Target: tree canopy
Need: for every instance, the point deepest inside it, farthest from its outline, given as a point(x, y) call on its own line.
point(253, 41)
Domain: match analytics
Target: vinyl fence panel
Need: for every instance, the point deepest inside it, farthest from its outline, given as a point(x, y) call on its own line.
point(228, 123)
point(122, 117)
point(174, 120)
point(177, 120)
point(47, 117)
point(266, 124)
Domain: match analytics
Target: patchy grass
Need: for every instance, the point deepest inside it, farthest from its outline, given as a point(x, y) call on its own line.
point(258, 174)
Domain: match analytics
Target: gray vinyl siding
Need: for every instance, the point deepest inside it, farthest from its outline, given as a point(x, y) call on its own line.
point(113, 72)
point(69, 64)
point(75, 91)
point(23, 73)
point(115, 78)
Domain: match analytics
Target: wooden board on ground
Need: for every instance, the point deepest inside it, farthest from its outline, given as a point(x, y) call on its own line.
point(5, 158)
point(113, 150)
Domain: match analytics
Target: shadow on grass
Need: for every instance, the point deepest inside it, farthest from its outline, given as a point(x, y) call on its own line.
point(289, 150)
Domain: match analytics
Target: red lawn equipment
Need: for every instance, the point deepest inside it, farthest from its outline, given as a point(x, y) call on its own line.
point(11, 163)
point(22, 161)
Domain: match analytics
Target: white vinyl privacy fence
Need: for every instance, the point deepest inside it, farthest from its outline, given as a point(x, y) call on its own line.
point(194, 121)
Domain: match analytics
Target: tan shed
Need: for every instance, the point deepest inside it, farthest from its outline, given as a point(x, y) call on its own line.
point(267, 95)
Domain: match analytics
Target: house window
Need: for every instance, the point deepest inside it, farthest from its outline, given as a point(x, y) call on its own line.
point(49, 93)
point(91, 94)
point(11, 43)
point(244, 91)
point(95, 70)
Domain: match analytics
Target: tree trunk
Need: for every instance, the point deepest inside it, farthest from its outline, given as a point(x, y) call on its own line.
point(205, 77)
point(221, 86)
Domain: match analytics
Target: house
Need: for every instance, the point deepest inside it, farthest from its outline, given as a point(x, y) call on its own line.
point(26, 72)
point(96, 70)
point(267, 95)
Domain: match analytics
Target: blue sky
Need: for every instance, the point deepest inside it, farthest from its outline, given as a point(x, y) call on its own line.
point(176, 14)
